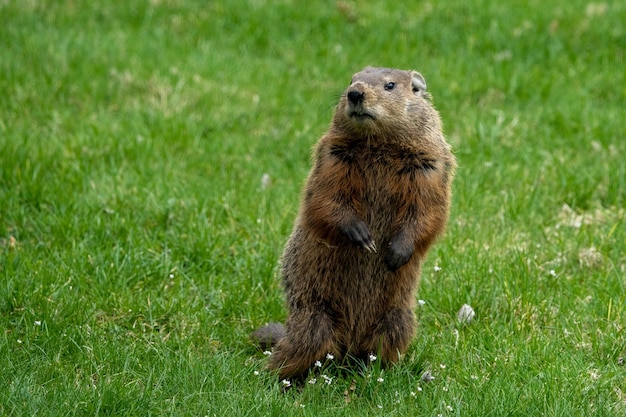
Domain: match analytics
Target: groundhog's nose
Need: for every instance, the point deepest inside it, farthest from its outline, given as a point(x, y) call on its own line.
point(355, 97)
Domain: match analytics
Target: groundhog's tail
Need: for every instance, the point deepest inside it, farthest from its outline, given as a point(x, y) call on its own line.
point(267, 336)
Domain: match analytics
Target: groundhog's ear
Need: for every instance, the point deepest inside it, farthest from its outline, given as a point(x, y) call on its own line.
point(418, 82)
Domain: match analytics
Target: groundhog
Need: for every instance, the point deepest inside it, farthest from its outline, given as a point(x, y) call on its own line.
point(375, 200)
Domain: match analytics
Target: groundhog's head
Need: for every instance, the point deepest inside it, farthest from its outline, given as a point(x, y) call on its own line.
point(384, 101)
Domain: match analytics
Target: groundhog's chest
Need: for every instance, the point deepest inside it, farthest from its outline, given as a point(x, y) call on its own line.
point(389, 160)
point(387, 178)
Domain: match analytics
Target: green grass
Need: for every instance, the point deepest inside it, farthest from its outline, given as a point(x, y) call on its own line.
point(138, 248)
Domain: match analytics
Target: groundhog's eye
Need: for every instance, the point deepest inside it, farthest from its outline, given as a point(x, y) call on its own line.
point(390, 86)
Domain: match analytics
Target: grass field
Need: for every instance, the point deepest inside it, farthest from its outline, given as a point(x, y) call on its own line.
point(138, 246)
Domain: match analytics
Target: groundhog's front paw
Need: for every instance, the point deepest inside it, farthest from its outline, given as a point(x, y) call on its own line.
point(398, 253)
point(359, 234)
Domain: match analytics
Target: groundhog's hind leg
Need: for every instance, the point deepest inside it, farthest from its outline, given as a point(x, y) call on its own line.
point(391, 336)
point(309, 337)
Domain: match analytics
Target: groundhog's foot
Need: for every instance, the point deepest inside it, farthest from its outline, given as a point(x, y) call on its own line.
point(398, 253)
point(359, 234)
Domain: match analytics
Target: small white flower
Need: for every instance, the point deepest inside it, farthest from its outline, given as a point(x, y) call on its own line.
point(301, 405)
point(437, 268)
point(445, 389)
point(286, 382)
point(171, 276)
point(318, 364)
point(327, 379)
point(380, 379)
point(37, 323)
point(380, 406)
point(372, 357)
point(413, 394)
point(312, 381)
point(266, 181)
point(19, 341)
point(442, 366)
point(449, 408)
point(256, 373)
point(330, 356)
point(421, 302)
point(267, 352)
point(553, 272)
point(419, 389)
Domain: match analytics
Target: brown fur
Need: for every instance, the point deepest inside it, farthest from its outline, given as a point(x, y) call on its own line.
point(376, 198)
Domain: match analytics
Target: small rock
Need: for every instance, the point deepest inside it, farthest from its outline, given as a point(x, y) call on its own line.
point(427, 376)
point(466, 314)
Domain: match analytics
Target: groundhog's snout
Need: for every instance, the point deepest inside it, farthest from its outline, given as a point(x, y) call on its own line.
point(356, 97)
point(357, 107)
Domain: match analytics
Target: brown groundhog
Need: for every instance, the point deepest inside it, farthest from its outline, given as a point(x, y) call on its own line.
point(376, 198)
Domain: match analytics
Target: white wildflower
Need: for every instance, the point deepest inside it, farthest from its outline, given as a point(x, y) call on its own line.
point(437, 268)
point(256, 373)
point(380, 379)
point(312, 381)
point(372, 357)
point(421, 302)
point(318, 364)
point(330, 356)
point(267, 352)
point(37, 323)
point(286, 382)
point(266, 181)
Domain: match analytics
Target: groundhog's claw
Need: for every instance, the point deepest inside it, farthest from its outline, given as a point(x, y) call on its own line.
point(359, 234)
